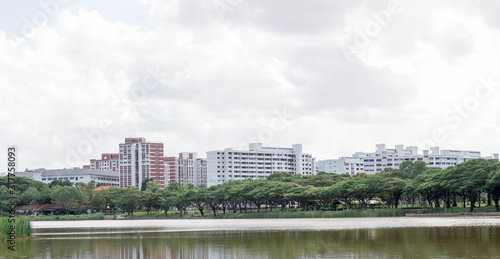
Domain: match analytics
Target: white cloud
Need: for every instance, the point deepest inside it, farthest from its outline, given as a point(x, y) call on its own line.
point(205, 83)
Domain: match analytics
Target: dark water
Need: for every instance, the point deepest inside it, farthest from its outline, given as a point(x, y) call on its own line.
point(136, 241)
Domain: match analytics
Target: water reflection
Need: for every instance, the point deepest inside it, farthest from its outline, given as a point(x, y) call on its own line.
point(443, 242)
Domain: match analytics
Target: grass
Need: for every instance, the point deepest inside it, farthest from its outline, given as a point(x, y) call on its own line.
point(22, 227)
point(96, 216)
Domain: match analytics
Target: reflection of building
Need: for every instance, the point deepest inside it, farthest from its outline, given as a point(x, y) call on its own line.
point(258, 161)
point(74, 175)
point(373, 162)
point(140, 159)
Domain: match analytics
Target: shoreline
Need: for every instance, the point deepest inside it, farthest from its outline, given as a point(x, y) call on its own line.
point(180, 225)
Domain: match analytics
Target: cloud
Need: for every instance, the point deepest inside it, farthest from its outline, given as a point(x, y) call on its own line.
point(198, 79)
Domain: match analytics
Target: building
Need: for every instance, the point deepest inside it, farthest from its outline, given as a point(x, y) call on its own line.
point(201, 164)
point(140, 159)
point(228, 164)
point(343, 165)
point(374, 162)
point(186, 169)
point(108, 161)
point(74, 175)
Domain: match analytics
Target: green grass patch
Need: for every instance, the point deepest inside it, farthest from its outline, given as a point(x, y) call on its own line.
point(21, 224)
point(95, 216)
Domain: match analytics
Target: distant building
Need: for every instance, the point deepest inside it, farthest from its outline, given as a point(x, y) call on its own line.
point(108, 161)
point(140, 159)
point(343, 165)
point(374, 162)
point(186, 168)
point(228, 164)
point(74, 175)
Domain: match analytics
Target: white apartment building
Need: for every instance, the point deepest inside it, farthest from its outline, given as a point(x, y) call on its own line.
point(258, 161)
point(374, 162)
point(74, 175)
point(343, 165)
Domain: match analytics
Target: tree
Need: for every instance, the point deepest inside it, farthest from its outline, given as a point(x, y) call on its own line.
point(410, 170)
point(493, 184)
point(30, 196)
point(148, 198)
point(366, 187)
point(145, 182)
point(322, 194)
point(59, 183)
point(470, 179)
point(215, 197)
point(255, 193)
point(393, 187)
point(87, 189)
point(321, 180)
point(427, 185)
point(344, 191)
point(197, 198)
point(129, 200)
point(166, 199)
point(98, 201)
point(280, 177)
point(112, 197)
point(4, 198)
point(67, 197)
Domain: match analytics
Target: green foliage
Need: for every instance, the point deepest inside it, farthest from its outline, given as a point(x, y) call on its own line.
point(67, 197)
point(129, 199)
point(59, 183)
point(98, 201)
point(145, 182)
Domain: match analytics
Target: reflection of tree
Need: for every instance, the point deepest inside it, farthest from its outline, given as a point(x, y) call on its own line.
point(383, 243)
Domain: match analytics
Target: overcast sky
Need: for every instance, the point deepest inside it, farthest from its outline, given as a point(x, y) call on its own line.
point(337, 76)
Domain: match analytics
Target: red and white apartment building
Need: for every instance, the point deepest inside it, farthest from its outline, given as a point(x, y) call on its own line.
point(108, 161)
point(186, 168)
point(140, 159)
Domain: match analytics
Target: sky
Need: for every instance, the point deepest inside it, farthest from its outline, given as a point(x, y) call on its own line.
point(77, 77)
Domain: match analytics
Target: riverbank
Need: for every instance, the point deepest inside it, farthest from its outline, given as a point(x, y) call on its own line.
point(353, 213)
point(182, 225)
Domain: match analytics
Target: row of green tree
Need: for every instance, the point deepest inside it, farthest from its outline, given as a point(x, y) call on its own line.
point(413, 182)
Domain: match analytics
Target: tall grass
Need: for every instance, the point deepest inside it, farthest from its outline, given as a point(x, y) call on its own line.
point(320, 214)
point(22, 227)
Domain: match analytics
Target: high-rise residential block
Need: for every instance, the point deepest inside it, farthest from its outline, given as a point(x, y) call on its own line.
point(140, 159)
point(258, 161)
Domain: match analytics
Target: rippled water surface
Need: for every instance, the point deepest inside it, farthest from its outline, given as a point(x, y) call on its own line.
point(265, 238)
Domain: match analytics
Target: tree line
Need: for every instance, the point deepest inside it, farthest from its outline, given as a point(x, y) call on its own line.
point(413, 182)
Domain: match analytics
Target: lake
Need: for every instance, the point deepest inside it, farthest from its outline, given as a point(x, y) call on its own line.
point(453, 237)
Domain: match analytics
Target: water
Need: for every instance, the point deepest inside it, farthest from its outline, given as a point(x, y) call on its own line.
point(265, 238)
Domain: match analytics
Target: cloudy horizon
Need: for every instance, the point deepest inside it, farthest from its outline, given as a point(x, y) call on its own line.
point(335, 76)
